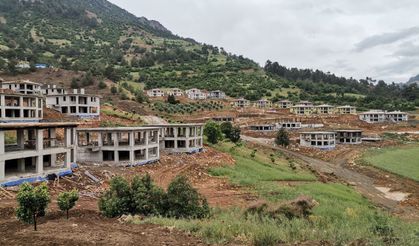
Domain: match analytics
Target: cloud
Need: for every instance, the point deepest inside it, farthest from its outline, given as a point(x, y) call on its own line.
point(386, 38)
point(407, 49)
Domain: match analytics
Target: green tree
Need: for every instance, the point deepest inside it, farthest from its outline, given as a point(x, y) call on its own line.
point(172, 99)
point(32, 203)
point(67, 200)
point(213, 132)
point(184, 201)
point(148, 199)
point(114, 90)
point(282, 138)
point(74, 83)
point(140, 97)
point(117, 200)
point(226, 129)
point(102, 85)
point(11, 67)
point(235, 134)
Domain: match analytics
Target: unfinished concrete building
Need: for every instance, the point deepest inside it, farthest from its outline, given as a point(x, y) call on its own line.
point(347, 109)
point(397, 116)
point(216, 95)
point(373, 116)
point(241, 103)
point(289, 125)
point(22, 86)
point(284, 104)
point(321, 140)
point(181, 138)
point(263, 104)
point(18, 107)
point(120, 145)
point(305, 103)
point(302, 109)
point(52, 90)
point(324, 109)
point(175, 92)
point(262, 128)
point(223, 118)
point(155, 93)
point(349, 136)
point(77, 103)
point(31, 151)
point(196, 94)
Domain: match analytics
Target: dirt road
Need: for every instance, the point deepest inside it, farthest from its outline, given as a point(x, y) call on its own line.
point(362, 183)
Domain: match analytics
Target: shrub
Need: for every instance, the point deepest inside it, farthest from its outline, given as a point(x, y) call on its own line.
point(148, 199)
point(184, 201)
point(282, 138)
point(67, 200)
point(117, 200)
point(102, 85)
point(114, 90)
point(32, 203)
point(226, 129)
point(253, 154)
point(235, 134)
point(213, 132)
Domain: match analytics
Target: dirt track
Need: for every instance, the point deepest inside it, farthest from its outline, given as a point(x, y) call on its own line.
point(365, 184)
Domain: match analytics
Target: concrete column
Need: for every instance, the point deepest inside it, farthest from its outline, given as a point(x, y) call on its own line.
point(147, 133)
point(116, 156)
point(77, 104)
point(2, 143)
point(100, 139)
point(21, 165)
point(146, 154)
point(187, 132)
point(54, 160)
point(39, 164)
point(21, 105)
point(67, 137)
point(20, 137)
point(115, 139)
point(2, 170)
point(67, 161)
point(39, 139)
point(131, 156)
point(52, 135)
point(131, 139)
point(3, 109)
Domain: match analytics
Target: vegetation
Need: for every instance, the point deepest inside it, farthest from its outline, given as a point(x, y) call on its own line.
point(212, 131)
point(67, 200)
point(341, 217)
point(145, 198)
point(399, 160)
point(32, 203)
point(188, 108)
point(282, 138)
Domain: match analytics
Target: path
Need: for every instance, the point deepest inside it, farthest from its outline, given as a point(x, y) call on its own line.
point(361, 182)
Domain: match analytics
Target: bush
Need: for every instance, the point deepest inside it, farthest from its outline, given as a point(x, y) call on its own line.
point(32, 203)
point(226, 129)
point(102, 85)
point(282, 138)
point(213, 132)
point(67, 200)
point(117, 200)
point(235, 134)
point(114, 90)
point(148, 199)
point(184, 201)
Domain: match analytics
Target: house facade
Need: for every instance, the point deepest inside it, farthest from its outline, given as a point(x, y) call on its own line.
point(321, 140)
point(22, 86)
point(196, 94)
point(284, 104)
point(263, 104)
point(324, 109)
point(216, 95)
point(18, 107)
point(302, 109)
point(241, 103)
point(347, 109)
point(175, 92)
point(77, 103)
point(155, 93)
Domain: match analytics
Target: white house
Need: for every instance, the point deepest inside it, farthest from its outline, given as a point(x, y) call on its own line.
point(175, 92)
point(216, 94)
point(196, 94)
point(155, 93)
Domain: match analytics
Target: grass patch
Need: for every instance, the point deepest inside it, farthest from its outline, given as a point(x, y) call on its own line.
point(403, 161)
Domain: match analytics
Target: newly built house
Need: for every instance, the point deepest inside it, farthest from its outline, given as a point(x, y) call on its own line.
point(18, 107)
point(347, 109)
point(22, 86)
point(262, 128)
point(397, 116)
point(75, 103)
point(175, 92)
point(263, 104)
point(155, 93)
point(349, 136)
point(324, 109)
point(321, 140)
point(196, 94)
point(289, 125)
point(284, 104)
point(373, 116)
point(305, 103)
point(181, 138)
point(223, 118)
point(119, 145)
point(302, 109)
point(241, 103)
point(32, 151)
point(216, 95)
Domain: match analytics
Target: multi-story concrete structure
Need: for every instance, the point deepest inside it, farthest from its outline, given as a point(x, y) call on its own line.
point(216, 95)
point(18, 107)
point(196, 94)
point(155, 93)
point(241, 103)
point(373, 116)
point(120, 145)
point(397, 116)
point(263, 103)
point(289, 125)
point(22, 86)
point(175, 92)
point(347, 109)
point(302, 109)
point(324, 109)
point(349, 136)
point(263, 128)
point(52, 90)
point(284, 104)
point(76, 103)
point(181, 138)
point(223, 118)
point(321, 140)
point(32, 151)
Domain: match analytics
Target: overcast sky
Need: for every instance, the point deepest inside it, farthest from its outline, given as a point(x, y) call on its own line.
point(358, 38)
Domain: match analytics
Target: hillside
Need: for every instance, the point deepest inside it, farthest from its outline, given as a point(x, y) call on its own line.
point(413, 80)
point(100, 37)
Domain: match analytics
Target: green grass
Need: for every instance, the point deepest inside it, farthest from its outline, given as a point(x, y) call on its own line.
point(342, 216)
point(403, 161)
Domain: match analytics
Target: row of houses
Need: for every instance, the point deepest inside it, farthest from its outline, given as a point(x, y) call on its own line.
point(193, 94)
point(31, 152)
point(23, 101)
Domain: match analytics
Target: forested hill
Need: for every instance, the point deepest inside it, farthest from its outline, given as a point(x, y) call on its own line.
point(102, 39)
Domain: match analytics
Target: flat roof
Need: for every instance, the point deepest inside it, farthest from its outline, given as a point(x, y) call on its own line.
point(175, 125)
point(21, 82)
point(116, 129)
point(349, 130)
point(18, 94)
point(5, 126)
point(317, 132)
point(324, 106)
point(302, 106)
point(346, 106)
point(73, 94)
